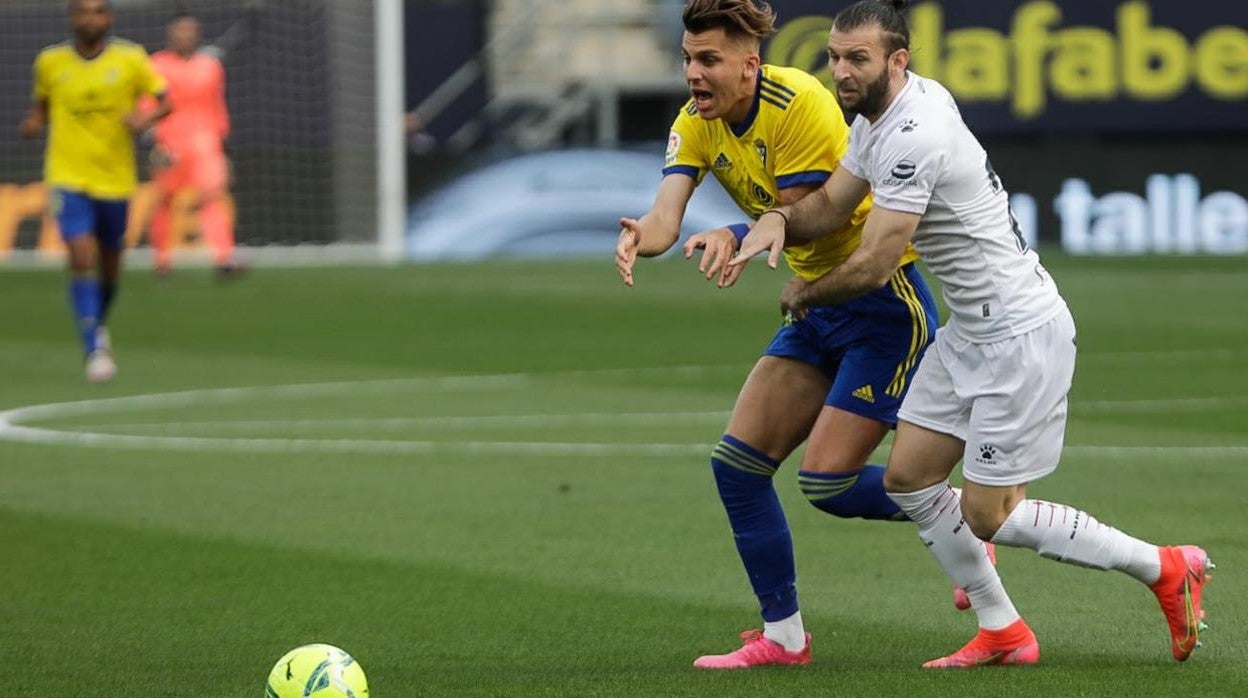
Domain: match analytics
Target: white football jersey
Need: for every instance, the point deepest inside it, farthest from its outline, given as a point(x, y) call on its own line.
point(920, 158)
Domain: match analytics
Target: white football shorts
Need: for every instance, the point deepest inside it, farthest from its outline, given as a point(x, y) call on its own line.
point(1006, 400)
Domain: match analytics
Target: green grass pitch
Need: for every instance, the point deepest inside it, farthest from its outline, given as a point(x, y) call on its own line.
point(504, 489)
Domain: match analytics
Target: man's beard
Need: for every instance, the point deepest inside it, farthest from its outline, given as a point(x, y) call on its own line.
point(871, 105)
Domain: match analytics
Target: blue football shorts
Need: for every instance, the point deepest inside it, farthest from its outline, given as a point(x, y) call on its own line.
point(78, 214)
point(869, 347)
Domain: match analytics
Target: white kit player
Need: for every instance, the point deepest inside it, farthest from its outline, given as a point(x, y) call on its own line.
point(991, 390)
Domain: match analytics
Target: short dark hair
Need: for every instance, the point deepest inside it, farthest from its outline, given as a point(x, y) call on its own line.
point(888, 14)
point(740, 19)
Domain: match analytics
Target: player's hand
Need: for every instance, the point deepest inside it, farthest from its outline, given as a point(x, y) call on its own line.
point(160, 158)
point(718, 246)
point(793, 297)
point(138, 122)
point(31, 127)
point(767, 234)
point(626, 249)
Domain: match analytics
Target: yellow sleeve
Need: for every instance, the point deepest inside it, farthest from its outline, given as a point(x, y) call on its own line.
point(686, 146)
point(150, 82)
point(41, 87)
point(810, 141)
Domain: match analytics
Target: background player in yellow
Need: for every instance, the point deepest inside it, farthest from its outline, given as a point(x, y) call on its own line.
point(85, 92)
point(771, 135)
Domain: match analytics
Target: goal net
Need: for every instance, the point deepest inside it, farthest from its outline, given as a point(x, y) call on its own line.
point(301, 90)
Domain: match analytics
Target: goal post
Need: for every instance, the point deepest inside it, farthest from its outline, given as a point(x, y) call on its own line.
point(317, 148)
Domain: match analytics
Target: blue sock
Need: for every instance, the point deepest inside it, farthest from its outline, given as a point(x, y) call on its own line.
point(84, 297)
point(108, 291)
point(858, 494)
point(743, 476)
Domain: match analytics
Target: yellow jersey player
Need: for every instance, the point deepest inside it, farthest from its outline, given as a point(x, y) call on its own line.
point(85, 92)
point(837, 374)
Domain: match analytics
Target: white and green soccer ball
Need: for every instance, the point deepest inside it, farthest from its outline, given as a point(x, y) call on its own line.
point(316, 671)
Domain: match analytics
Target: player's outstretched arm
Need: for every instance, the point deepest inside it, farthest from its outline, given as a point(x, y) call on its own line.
point(884, 241)
point(720, 244)
point(656, 231)
point(818, 213)
point(32, 125)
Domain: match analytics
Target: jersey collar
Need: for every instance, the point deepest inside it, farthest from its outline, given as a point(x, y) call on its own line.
point(892, 108)
point(108, 41)
point(739, 131)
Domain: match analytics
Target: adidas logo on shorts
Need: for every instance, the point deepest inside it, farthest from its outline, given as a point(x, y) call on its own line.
point(865, 393)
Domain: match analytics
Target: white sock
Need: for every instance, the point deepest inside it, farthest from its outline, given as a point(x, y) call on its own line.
point(938, 512)
point(788, 633)
point(1061, 533)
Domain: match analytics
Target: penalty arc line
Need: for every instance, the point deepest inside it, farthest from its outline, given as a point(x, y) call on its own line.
point(12, 427)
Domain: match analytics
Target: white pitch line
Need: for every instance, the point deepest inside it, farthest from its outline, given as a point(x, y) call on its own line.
point(12, 421)
point(588, 419)
point(1164, 354)
point(216, 396)
point(1158, 405)
point(1157, 451)
point(413, 448)
point(605, 419)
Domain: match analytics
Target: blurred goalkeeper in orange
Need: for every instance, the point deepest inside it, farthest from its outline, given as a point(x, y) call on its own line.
point(189, 150)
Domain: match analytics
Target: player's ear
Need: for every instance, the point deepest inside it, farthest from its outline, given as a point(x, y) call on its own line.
point(899, 60)
point(752, 62)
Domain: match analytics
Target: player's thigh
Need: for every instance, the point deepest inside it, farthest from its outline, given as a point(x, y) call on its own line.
point(933, 419)
point(110, 223)
point(778, 405)
point(880, 342)
point(209, 173)
point(935, 398)
point(75, 218)
point(173, 178)
point(842, 441)
point(74, 213)
point(920, 457)
point(1017, 429)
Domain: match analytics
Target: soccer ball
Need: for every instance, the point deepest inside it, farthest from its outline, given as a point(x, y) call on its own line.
point(316, 671)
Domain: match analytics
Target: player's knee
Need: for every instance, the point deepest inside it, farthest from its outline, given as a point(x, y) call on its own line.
point(984, 522)
point(738, 467)
point(897, 481)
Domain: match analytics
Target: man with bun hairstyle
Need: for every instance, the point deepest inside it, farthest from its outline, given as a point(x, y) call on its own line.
point(771, 135)
point(992, 389)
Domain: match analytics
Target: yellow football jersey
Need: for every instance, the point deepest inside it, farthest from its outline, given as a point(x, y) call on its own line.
point(795, 134)
point(90, 149)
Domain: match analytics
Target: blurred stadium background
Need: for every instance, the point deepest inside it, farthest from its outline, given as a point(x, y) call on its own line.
point(487, 477)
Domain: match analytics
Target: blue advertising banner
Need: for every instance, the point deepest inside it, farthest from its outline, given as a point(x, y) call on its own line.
point(1069, 65)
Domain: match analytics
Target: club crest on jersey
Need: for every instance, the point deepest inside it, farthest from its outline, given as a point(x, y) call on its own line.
point(722, 162)
point(761, 148)
point(673, 148)
point(764, 197)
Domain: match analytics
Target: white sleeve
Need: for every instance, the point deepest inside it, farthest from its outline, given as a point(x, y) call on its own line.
point(852, 160)
point(907, 168)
